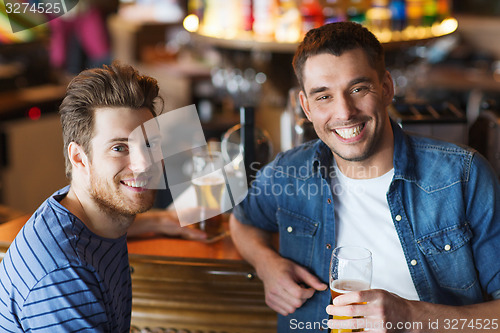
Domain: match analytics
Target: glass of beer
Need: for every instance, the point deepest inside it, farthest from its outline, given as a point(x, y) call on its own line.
point(350, 270)
point(208, 182)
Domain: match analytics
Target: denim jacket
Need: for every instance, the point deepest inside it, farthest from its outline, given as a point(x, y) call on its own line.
point(444, 201)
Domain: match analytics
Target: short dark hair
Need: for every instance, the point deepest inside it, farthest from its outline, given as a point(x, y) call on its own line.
point(110, 86)
point(336, 38)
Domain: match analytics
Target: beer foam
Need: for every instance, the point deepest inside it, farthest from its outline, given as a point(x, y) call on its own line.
point(209, 180)
point(344, 286)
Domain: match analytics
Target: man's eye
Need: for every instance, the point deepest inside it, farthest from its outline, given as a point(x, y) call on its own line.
point(359, 89)
point(322, 98)
point(119, 149)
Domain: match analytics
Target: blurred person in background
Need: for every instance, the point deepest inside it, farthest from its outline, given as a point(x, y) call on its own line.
point(80, 38)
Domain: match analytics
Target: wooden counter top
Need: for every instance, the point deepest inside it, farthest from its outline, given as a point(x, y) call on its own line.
point(150, 246)
point(174, 247)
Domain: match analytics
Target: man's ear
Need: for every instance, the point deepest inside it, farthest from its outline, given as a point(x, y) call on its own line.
point(388, 88)
point(79, 160)
point(305, 104)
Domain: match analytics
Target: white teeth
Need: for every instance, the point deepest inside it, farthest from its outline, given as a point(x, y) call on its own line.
point(135, 183)
point(347, 133)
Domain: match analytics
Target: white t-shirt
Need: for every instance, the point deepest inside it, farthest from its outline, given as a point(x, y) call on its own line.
point(363, 218)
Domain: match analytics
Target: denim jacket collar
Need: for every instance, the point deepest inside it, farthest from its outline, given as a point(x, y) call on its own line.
point(322, 160)
point(403, 159)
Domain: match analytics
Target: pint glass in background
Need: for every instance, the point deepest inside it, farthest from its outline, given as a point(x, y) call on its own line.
point(208, 182)
point(350, 270)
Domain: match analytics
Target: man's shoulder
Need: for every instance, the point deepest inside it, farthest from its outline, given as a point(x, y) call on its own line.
point(437, 164)
point(50, 217)
point(33, 297)
point(41, 256)
point(431, 145)
point(434, 152)
point(44, 242)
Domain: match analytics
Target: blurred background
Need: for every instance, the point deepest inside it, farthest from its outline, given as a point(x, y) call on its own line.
point(225, 56)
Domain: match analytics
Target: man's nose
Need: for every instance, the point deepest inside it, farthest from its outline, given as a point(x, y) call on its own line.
point(140, 160)
point(344, 108)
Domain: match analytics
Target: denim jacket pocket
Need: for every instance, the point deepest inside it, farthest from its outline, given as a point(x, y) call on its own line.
point(296, 236)
point(445, 251)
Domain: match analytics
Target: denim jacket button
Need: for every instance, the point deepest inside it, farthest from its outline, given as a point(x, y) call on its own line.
point(329, 200)
point(328, 246)
point(398, 217)
point(447, 247)
point(413, 262)
point(289, 229)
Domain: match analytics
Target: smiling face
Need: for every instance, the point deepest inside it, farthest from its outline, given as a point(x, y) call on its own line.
point(346, 101)
point(122, 174)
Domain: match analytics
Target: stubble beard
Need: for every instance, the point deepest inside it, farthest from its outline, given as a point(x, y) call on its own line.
point(112, 202)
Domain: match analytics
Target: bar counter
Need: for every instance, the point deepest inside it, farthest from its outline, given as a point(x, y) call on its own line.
point(187, 286)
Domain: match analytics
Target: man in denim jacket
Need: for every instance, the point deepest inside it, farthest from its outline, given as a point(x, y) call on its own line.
point(436, 264)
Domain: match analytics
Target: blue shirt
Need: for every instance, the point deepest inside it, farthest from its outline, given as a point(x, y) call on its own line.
point(57, 276)
point(444, 201)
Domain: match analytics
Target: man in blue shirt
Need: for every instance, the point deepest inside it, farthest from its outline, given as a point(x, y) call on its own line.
point(67, 270)
point(435, 263)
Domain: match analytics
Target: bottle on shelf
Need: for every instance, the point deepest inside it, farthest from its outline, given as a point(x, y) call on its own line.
point(247, 15)
point(334, 11)
point(212, 25)
point(429, 13)
point(312, 15)
point(443, 9)
point(356, 10)
point(398, 15)
point(288, 25)
point(265, 13)
point(286, 21)
point(415, 12)
point(378, 17)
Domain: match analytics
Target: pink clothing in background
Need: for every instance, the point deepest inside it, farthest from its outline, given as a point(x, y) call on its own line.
point(88, 27)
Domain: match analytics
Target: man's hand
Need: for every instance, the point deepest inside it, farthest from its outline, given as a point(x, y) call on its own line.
point(386, 312)
point(287, 285)
point(383, 311)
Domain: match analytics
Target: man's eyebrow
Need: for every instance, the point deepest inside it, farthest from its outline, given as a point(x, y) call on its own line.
point(360, 80)
point(118, 140)
point(317, 90)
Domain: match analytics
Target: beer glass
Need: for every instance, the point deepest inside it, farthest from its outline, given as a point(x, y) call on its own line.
point(208, 182)
point(350, 270)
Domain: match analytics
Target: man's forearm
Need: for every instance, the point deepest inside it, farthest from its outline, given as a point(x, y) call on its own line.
point(254, 244)
point(477, 318)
